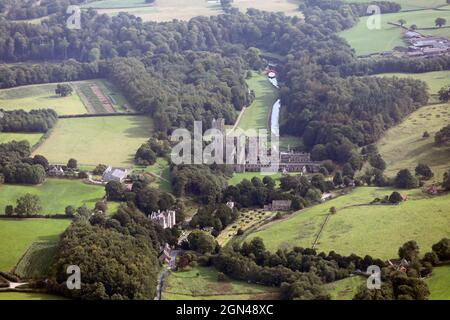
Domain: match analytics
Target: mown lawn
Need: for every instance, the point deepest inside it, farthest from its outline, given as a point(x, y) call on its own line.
point(18, 235)
point(32, 138)
point(239, 176)
point(201, 283)
point(28, 296)
point(109, 140)
point(256, 116)
point(439, 283)
point(40, 96)
point(344, 289)
point(377, 230)
point(366, 41)
point(55, 194)
point(404, 146)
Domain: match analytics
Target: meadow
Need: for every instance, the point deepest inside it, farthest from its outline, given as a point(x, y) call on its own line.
point(18, 235)
point(41, 97)
point(55, 194)
point(256, 116)
point(412, 4)
point(438, 283)
point(160, 10)
point(404, 146)
point(288, 7)
point(366, 41)
point(201, 283)
point(344, 289)
point(109, 140)
point(28, 296)
point(435, 80)
point(376, 230)
point(32, 138)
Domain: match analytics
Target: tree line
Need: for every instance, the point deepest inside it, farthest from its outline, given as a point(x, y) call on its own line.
point(40, 120)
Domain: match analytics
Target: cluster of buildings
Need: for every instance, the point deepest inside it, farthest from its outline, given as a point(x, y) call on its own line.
point(287, 162)
point(420, 45)
point(166, 219)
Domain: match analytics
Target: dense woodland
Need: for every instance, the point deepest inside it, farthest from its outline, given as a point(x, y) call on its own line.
point(34, 121)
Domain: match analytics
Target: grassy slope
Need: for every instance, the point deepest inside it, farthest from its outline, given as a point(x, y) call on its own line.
point(37, 261)
point(435, 80)
point(438, 283)
point(411, 4)
point(32, 138)
point(55, 194)
point(256, 116)
point(39, 97)
point(161, 168)
point(366, 41)
point(28, 296)
point(187, 285)
point(344, 289)
point(375, 230)
point(404, 147)
point(18, 235)
point(109, 140)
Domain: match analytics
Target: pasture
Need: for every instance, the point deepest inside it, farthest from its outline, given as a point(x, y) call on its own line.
point(28, 296)
point(201, 283)
point(403, 146)
point(288, 7)
point(109, 140)
point(376, 230)
point(256, 116)
point(366, 41)
point(435, 80)
point(18, 235)
point(160, 10)
point(32, 138)
point(438, 283)
point(412, 4)
point(344, 289)
point(55, 195)
point(41, 96)
point(37, 261)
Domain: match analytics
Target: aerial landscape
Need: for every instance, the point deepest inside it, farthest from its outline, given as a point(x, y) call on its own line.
point(224, 150)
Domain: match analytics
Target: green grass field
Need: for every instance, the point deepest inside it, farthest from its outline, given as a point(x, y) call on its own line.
point(55, 194)
point(32, 138)
point(404, 147)
point(28, 296)
point(187, 285)
point(366, 41)
point(40, 97)
point(439, 282)
point(108, 140)
point(288, 7)
point(37, 261)
point(256, 116)
point(160, 10)
point(344, 289)
point(377, 230)
point(18, 235)
point(161, 168)
point(435, 80)
point(411, 4)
